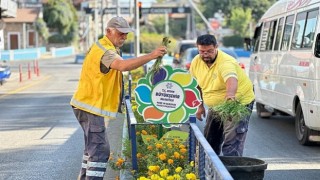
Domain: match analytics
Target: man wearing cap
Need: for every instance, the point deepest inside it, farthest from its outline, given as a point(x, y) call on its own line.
point(99, 93)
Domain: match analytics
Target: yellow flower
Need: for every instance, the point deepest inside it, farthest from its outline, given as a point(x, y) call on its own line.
point(159, 146)
point(192, 163)
point(169, 145)
point(191, 176)
point(176, 176)
point(170, 178)
point(181, 157)
point(178, 169)
point(154, 168)
point(176, 140)
point(163, 156)
point(170, 161)
point(164, 173)
point(149, 147)
point(155, 177)
point(181, 146)
point(144, 132)
point(148, 139)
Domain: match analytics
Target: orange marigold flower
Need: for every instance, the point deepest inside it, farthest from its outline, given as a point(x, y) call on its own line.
point(181, 146)
point(159, 146)
point(176, 155)
point(170, 161)
point(139, 155)
point(163, 156)
point(154, 135)
point(183, 150)
point(149, 147)
point(119, 162)
point(176, 140)
point(144, 132)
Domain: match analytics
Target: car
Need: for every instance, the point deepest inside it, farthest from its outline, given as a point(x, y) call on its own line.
point(190, 53)
point(183, 45)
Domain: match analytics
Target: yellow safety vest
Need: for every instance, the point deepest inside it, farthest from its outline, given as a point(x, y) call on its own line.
point(98, 93)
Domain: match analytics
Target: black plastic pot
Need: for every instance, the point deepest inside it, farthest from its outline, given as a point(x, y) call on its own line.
point(244, 168)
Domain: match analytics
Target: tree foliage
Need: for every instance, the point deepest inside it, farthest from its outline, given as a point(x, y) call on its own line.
point(61, 18)
point(227, 6)
point(239, 21)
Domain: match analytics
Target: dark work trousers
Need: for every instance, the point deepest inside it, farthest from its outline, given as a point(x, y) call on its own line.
point(96, 149)
point(228, 137)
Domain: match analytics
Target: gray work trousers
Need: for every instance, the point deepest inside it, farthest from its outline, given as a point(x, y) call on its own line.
point(96, 149)
point(227, 137)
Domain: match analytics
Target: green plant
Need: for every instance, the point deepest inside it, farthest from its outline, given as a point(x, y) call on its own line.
point(156, 66)
point(231, 110)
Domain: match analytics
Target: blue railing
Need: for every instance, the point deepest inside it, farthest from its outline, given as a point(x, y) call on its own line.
point(207, 162)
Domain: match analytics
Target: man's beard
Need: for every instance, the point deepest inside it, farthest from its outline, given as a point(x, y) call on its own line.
point(210, 60)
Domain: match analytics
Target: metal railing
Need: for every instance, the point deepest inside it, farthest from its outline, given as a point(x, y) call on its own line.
point(207, 162)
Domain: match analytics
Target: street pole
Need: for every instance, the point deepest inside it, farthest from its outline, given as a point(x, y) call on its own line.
point(137, 29)
point(201, 15)
point(96, 20)
point(166, 24)
point(118, 8)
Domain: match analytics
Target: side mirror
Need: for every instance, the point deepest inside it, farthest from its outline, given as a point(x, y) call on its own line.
point(317, 46)
point(247, 42)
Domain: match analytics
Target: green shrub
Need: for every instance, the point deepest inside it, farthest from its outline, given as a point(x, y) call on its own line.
point(234, 41)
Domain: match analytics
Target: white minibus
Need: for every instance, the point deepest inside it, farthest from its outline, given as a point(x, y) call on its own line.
point(285, 65)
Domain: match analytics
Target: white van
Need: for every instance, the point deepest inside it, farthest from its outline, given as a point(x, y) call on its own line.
point(285, 65)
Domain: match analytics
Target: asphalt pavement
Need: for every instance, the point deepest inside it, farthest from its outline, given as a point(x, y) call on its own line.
point(19, 82)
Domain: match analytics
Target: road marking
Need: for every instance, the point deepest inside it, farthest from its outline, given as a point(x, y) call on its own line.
point(25, 87)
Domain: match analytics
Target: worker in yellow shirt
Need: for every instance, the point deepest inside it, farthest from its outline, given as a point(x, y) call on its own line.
point(99, 93)
point(220, 78)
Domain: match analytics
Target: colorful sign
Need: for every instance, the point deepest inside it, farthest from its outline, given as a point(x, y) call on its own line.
point(168, 98)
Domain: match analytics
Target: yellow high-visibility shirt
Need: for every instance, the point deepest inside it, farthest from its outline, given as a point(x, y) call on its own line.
point(212, 80)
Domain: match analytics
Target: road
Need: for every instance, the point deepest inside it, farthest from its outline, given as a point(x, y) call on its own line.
point(273, 140)
point(40, 138)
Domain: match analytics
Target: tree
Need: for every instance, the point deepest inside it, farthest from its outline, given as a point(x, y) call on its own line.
point(227, 6)
point(239, 21)
point(61, 18)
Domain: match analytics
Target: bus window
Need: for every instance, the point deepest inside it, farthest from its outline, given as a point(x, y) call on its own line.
point(287, 33)
point(303, 35)
point(271, 33)
point(264, 36)
point(256, 38)
point(278, 35)
point(298, 30)
point(309, 32)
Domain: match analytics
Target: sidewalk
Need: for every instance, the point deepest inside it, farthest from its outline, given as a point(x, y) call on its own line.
point(114, 132)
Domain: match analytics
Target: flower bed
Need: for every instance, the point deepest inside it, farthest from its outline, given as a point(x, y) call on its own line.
point(158, 156)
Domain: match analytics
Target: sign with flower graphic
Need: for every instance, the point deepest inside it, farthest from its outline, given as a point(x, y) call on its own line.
point(168, 97)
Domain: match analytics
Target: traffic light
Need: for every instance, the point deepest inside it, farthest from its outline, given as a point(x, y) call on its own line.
point(140, 9)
